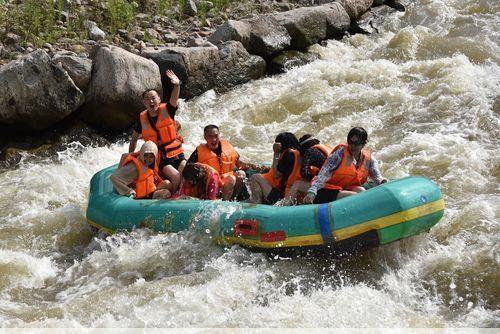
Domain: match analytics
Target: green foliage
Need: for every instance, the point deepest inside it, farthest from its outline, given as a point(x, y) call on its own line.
point(219, 4)
point(34, 20)
point(121, 13)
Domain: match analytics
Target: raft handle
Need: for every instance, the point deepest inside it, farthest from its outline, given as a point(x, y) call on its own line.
point(246, 227)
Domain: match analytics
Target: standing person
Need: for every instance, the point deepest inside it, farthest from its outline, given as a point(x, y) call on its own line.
point(313, 155)
point(345, 170)
point(221, 156)
point(274, 185)
point(201, 181)
point(138, 175)
point(158, 125)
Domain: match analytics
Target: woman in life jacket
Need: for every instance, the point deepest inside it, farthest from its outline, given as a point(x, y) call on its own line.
point(201, 181)
point(157, 123)
point(270, 187)
point(345, 171)
point(138, 175)
point(313, 155)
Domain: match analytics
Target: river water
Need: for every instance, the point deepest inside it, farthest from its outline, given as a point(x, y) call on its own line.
point(427, 90)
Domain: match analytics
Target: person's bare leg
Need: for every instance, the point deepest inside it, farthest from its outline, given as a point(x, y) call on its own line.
point(162, 194)
point(181, 166)
point(240, 182)
point(345, 193)
point(228, 183)
point(358, 189)
point(297, 186)
point(173, 176)
point(259, 186)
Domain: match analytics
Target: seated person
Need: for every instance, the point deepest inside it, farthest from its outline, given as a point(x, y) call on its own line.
point(345, 170)
point(274, 185)
point(313, 155)
point(221, 156)
point(200, 181)
point(157, 124)
point(138, 175)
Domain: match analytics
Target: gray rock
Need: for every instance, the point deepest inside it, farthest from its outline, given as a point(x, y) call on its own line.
point(195, 41)
point(232, 30)
point(195, 67)
point(290, 59)
point(95, 33)
point(118, 80)
point(78, 68)
point(153, 34)
point(356, 8)
point(11, 38)
point(170, 37)
point(205, 4)
point(337, 20)
point(267, 36)
point(190, 8)
point(372, 21)
point(237, 66)
point(36, 93)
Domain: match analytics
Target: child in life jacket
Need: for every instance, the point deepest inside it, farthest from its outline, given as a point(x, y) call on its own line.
point(201, 181)
point(138, 175)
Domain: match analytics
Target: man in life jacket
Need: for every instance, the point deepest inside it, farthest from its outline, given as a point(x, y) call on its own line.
point(270, 187)
point(138, 175)
point(158, 125)
point(313, 155)
point(201, 181)
point(221, 156)
point(345, 170)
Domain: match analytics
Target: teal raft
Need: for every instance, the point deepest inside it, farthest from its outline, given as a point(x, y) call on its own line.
point(395, 210)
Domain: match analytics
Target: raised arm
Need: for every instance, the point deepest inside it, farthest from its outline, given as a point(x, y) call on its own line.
point(133, 142)
point(174, 97)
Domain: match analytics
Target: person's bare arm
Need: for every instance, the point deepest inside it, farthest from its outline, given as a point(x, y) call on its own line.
point(133, 142)
point(174, 97)
point(276, 159)
point(124, 176)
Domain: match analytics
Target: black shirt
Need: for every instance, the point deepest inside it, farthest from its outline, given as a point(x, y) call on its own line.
point(285, 167)
point(152, 120)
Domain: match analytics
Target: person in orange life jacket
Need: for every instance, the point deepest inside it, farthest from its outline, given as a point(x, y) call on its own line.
point(157, 123)
point(221, 155)
point(200, 181)
point(270, 187)
point(313, 155)
point(138, 175)
point(345, 170)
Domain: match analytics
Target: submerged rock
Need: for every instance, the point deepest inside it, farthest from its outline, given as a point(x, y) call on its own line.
point(35, 92)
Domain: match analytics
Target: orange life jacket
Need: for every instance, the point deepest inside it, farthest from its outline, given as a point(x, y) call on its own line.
point(223, 164)
point(193, 191)
point(326, 150)
point(165, 131)
point(347, 176)
point(146, 182)
point(294, 175)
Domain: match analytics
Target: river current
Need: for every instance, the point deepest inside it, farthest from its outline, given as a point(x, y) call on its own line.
point(427, 90)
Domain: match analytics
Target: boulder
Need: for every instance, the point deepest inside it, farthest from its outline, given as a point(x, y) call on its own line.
point(232, 30)
point(267, 36)
point(118, 80)
point(194, 66)
point(189, 8)
point(95, 33)
point(305, 25)
point(356, 8)
point(36, 93)
point(337, 20)
point(78, 68)
point(237, 66)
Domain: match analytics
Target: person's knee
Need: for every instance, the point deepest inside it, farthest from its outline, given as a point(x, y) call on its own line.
point(240, 175)
point(162, 194)
point(229, 181)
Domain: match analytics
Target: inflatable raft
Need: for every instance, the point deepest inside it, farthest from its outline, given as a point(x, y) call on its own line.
point(383, 214)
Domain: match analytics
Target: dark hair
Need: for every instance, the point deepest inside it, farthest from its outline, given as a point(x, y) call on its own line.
point(287, 140)
point(305, 145)
point(195, 173)
point(149, 90)
point(210, 127)
point(358, 132)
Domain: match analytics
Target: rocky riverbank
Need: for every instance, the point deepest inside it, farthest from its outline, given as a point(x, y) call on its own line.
point(57, 92)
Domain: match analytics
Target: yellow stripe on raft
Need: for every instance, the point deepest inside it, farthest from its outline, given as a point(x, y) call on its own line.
point(344, 233)
point(105, 229)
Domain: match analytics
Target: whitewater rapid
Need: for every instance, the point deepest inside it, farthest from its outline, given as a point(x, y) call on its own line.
point(427, 90)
